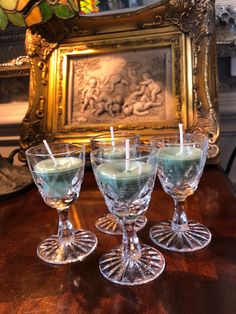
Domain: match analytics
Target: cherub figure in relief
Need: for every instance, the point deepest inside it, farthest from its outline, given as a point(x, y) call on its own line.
point(149, 83)
point(113, 106)
point(140, 107)
point(103, 104)
point(90, 95)
point(116, 107)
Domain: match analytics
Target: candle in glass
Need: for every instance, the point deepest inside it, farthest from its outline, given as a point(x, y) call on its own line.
point(124, 177)
point(127, 187)
point(125, 184)
point(56, 179)
point(113, 145)
point(180, 166)
point(58, 173)
point(111, 152)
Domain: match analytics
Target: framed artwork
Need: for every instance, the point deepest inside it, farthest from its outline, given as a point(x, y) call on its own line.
point(135, 85)
point(143, 70)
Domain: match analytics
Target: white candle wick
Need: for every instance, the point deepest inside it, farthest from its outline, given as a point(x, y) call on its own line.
point(127, 155)
point(112, 137)
point(50, 152)
point(181, 137)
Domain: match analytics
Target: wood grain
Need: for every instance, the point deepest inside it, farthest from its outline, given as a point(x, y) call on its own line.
point(201, 282)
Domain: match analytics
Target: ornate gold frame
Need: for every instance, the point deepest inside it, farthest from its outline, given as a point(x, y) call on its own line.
point(188, 28)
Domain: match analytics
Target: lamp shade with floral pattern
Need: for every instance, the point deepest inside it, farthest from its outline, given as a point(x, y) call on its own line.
point(30, 12)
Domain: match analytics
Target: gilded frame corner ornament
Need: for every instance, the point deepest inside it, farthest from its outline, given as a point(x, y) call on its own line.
point(187, 26)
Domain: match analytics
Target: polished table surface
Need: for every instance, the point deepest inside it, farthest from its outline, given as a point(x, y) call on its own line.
point(200, 282)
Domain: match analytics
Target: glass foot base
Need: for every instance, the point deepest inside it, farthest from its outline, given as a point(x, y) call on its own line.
point(132, 272)
point(196, 238)
point(56, 252)
point(109, 224)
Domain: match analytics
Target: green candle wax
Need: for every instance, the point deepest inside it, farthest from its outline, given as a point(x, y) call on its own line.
point(178, 166)
point(123, 184)
point(57, 179)
point(113, 152)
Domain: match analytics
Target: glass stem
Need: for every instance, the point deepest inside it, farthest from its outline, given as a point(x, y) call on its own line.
point(130, 243)
point(65, 228)
point(179, 220)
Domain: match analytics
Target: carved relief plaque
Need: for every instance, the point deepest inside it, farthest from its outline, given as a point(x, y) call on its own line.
point(128, 86)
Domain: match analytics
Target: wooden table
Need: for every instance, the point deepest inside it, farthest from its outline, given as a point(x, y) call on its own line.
point(201, 282)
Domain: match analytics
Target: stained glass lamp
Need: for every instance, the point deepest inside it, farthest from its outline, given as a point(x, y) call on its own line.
point(89, 6)
point(30, 12)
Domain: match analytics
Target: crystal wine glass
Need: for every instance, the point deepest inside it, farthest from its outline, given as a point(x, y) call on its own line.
point(109, 223)
point(126, 185)
point(58, 178)
point(179, 168)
